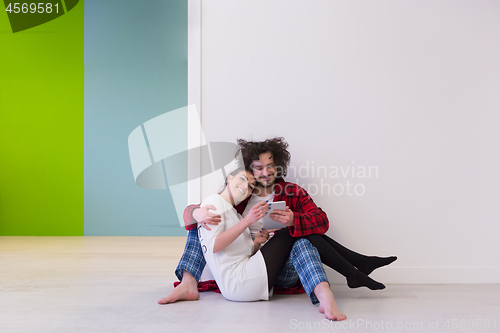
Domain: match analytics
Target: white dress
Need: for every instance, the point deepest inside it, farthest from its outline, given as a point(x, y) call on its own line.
point(239, 275)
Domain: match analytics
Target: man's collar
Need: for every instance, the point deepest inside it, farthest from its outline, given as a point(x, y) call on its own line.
point(279, 180)
point(278, 185)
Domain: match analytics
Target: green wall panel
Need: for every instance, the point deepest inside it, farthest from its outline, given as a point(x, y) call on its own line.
point(41, 119)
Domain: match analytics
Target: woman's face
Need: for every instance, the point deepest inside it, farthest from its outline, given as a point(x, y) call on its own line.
point(241, 185)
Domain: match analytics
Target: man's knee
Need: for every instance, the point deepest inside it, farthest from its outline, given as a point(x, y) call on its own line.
point(304, 245)
point(300, 246)
point(302, 242)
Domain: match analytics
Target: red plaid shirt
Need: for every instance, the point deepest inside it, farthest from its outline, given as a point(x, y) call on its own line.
point(308, 218)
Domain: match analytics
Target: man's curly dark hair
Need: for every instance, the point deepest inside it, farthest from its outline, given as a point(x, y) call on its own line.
point(250, 151)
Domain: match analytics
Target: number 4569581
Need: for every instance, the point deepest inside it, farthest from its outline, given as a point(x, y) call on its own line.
point(32, 8)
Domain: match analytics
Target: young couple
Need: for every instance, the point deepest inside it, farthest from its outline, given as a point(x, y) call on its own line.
point(232, 245)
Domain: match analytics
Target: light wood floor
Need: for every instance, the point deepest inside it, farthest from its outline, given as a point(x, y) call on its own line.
point(111, 284)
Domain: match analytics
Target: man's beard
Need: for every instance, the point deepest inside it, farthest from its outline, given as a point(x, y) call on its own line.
point(259, 184)
point(264, 185)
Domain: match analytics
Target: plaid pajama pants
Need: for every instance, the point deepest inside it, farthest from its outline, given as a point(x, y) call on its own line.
point(304, 263)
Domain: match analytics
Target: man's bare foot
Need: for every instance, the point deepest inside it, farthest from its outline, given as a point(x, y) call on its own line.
point(327, 305)
point(187, 290)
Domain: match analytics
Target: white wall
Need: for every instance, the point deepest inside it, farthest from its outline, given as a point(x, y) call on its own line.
point(411, 87)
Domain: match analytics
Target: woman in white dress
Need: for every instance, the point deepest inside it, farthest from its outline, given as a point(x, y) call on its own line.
point(242, 271)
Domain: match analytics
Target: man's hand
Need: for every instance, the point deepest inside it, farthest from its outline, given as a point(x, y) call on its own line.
point(283, 217)
point(204, 217)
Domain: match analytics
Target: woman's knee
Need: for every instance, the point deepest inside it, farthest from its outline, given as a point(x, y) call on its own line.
point(313, 237)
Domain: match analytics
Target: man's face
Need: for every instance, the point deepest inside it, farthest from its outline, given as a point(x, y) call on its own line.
point(264, 170)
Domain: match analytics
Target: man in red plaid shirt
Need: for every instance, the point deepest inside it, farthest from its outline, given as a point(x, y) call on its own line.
point(268, 160)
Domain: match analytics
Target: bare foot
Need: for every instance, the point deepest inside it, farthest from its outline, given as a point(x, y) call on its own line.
point(187, 290)
point(327, 305)
point(181, 293)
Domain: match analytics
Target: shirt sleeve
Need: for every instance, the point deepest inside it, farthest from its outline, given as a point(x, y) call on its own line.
point(308, 218)
point(207, 237)
point(189, 221)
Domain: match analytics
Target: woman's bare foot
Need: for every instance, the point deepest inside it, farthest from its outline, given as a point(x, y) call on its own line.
point(327, 304)
point(187, 290)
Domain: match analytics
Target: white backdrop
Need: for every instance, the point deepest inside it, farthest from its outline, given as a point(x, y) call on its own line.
point(410, 88)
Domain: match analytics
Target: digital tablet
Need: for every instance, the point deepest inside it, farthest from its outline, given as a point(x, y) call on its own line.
point(270, 223)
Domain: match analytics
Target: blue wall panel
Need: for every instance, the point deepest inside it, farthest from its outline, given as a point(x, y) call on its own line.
point(135, 70)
